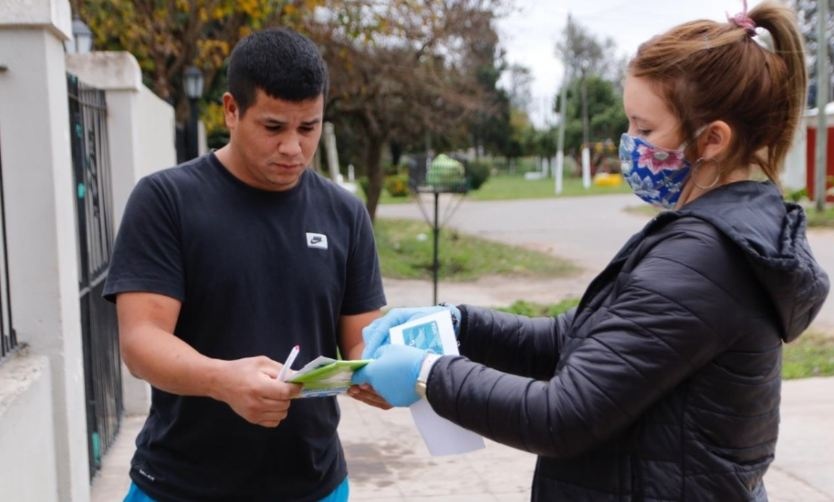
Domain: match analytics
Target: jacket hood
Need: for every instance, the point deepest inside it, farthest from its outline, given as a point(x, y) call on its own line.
point(771, 232)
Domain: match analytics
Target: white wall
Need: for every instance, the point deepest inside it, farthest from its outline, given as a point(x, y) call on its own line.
point(27, 441)
point(156, 126)
point(42, 249)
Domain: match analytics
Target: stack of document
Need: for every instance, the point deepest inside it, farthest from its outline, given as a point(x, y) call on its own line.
point(324, 376)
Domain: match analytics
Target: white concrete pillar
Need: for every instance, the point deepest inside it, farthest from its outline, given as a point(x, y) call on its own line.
point(140, 129)
point(40, 217)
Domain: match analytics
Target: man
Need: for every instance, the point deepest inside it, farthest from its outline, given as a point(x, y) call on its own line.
point(221, 266)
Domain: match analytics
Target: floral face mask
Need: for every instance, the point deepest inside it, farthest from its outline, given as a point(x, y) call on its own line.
point(656, 174)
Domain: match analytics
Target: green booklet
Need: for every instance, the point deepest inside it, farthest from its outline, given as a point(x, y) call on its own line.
point(324, 376)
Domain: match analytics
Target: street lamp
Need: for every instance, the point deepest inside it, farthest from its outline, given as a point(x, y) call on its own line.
point(82, 38)
point(193, 86)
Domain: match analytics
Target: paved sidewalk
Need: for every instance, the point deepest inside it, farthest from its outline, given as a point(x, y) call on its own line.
point(387, 460)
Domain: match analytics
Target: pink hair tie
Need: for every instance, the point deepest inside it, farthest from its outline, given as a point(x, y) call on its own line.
point(742, 20)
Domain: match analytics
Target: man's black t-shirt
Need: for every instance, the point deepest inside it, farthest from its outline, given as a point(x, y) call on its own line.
point(257, 272)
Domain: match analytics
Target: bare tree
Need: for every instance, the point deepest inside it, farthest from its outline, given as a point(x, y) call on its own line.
point(408, 77)
point(585, 55)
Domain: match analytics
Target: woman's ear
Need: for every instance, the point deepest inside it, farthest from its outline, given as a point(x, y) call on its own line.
point(715, 140)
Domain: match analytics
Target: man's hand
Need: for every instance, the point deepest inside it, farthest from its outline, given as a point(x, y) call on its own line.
point(250, 386)
point(367, 395)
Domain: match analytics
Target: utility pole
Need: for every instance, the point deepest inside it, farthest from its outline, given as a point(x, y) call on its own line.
point(822, 102)
point(558, 172)
point(560, 145)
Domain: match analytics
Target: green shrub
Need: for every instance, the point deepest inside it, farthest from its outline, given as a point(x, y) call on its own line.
point(391, 169)
point(796, 195)
point(531, 309)
point(477, 173)
point(397, 185)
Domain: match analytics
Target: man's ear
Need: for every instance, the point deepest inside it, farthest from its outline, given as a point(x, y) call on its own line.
point(230, 111)
point(715, 140)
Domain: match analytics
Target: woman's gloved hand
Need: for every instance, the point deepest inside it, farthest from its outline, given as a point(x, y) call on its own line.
point(376, 335)
point(393, 374)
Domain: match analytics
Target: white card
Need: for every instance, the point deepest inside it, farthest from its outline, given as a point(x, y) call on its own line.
point(435, 333)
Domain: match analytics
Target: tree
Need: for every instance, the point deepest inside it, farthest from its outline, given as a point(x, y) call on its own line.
point(603, 102)
point(807, 18)
point(520, 83)
point(166, 37)
point(401, 70)
point(587, 56)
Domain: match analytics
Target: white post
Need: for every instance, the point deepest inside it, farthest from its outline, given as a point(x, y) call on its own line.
point(560, 142)
point(586, 167)
point(560, 166)
point(332, 154)
point(40, 218)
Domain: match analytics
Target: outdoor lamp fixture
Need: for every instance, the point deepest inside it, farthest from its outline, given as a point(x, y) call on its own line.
point(82, 38)
point(192, 79)
point(193, 82)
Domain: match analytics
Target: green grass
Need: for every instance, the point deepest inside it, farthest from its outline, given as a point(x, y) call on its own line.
point(810, 355)
point(504, 187)
point(817, 219)
point(405, 252)
point(532, 309)
point(508, 187)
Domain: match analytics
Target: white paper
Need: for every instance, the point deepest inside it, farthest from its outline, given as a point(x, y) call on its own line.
point(435, 333)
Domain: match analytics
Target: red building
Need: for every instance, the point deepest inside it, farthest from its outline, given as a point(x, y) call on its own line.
point(811, 152)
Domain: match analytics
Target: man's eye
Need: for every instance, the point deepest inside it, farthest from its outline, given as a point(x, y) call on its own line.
point(307, 129)
point(273, 128)
point(644, 132)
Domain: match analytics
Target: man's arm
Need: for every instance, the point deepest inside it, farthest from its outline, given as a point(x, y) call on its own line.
point(350, 333)
point(152, 352)
point(351, 345)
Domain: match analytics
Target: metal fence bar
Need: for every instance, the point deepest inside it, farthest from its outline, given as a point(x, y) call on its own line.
point(93, 195)
point(8, 337)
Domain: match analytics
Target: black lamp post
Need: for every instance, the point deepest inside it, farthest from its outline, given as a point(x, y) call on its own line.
point(193, 86)
point(82, 38)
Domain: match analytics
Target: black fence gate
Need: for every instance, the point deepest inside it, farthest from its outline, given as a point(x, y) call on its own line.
point(91, 167)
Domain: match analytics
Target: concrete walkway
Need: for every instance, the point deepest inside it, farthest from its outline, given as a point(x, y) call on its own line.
point(386, 457)
point(387, 460)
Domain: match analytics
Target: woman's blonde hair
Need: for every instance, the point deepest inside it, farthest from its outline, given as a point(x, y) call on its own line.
point(711, 71)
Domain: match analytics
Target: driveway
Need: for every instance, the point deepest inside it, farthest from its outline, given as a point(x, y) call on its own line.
point(587, 230)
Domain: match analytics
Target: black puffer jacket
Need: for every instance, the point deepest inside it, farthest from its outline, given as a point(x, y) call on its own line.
point(664, 383)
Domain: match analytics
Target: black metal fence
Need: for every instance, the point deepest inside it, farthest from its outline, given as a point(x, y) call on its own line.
point(91, 168)
point(8, 337)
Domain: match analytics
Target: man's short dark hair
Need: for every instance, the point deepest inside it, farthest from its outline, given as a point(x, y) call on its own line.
point(284, 64)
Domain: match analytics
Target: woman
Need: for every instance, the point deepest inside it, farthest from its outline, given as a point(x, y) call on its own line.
point(664, 383)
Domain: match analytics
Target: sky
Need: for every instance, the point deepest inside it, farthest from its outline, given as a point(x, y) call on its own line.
point(530, 30)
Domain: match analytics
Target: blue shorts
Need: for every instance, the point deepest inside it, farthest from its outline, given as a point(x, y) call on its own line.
point(340, 494)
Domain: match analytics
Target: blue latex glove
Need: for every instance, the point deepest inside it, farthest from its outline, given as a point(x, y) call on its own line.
point(375, 334)
point(393, 375)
